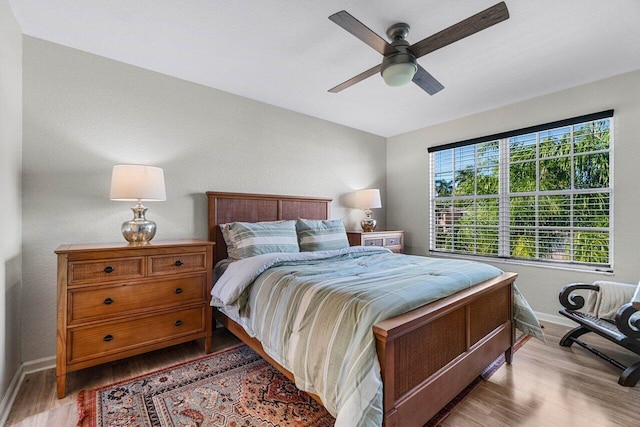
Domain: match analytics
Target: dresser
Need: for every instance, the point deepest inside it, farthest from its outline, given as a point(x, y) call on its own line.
point(393, 240)
point(118, 300)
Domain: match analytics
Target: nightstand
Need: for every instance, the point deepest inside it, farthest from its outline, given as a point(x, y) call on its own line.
point(118, 300)
point(393, 240)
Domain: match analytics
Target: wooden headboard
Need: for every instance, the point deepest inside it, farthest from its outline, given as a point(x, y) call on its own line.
point(229, 207)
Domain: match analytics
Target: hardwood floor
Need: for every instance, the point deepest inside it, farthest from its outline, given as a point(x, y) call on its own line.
point(37, 404)
point(547, 385)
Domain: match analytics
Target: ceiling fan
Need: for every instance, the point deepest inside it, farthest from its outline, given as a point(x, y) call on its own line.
point(400, 65)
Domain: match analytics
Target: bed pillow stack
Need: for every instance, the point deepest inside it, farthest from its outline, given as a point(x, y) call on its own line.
point(247, 239)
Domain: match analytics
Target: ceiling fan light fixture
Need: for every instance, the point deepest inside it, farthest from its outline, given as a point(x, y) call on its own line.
point(399, 69)
point(399, 74)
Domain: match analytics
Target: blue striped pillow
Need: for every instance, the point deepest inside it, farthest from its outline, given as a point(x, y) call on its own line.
point(247, 239)
point(317, 235)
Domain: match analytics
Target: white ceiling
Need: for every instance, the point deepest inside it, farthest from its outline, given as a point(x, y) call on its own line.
point(288, 54)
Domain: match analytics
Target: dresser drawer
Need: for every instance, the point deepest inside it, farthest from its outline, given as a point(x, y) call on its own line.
point(105, 270)
point(113, 337)
point(117, 300)
point(177, 263)
point(86, 304)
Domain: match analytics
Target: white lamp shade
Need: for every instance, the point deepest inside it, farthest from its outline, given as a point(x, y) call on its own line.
point(137, 182)
point(368, 199)
point(399, 74)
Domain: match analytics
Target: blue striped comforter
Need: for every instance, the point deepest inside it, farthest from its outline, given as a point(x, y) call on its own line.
point(313, 313)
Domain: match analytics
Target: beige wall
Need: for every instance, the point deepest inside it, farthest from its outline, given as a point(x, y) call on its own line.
point(408, 175)
point(10, 213)
point(84, 113)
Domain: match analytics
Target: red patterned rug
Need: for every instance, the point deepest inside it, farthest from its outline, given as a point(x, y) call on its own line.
point(234, 387)
point(231, 388)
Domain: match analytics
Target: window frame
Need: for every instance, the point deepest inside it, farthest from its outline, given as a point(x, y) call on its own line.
point(505, 227)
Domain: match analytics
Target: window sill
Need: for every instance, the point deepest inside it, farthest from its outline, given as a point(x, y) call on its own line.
point(541, 264)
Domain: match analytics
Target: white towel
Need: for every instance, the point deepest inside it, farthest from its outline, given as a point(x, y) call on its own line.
point(612, 295)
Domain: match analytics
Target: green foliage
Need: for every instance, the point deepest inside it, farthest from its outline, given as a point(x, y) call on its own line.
point(522, 177)
point(554, 211)
point(592, 136)
point(592, 170)
point(465, 182)
point(555, 174)
point(523, 244)
point(591, 247)
point(522, 211)
point(487, 180)
point(444, 185)
point(591, 210)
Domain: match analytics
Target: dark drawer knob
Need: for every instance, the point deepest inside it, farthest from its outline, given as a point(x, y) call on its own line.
point(108, 338)
point(178, 263)
point(178, 290)
point(108, 301)
point(178, 322)
point(108, 269)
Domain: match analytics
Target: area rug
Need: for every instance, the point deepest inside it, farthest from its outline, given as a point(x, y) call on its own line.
point(231, 388)
point(234, 387)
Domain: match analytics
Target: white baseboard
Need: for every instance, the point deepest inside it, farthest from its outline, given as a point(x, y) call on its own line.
point(39, 364)
point(554, 318)
point(16, 382)
point(10, 395)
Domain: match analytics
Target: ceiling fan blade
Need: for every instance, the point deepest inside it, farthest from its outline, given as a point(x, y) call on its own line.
point(462, 29)
point(427, 82)
point(342, 86)
point(361, 31)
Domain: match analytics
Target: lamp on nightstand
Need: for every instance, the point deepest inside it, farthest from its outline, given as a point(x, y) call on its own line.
point(367, 200)
point(138, 183)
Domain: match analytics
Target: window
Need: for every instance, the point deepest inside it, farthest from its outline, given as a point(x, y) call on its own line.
point(540, 194)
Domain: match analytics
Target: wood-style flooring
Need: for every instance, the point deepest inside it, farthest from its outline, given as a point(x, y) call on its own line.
point(547, 385)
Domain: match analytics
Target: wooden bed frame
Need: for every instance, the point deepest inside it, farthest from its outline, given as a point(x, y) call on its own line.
point(428, 355)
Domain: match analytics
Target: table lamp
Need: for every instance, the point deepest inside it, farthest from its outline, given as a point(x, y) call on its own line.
point(138, 183)
point(367, 200)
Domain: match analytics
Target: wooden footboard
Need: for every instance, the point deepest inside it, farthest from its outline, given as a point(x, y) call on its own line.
point(431, 354)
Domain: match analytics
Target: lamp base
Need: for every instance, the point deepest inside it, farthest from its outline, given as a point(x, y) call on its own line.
point(139, 229)
point(368, 224)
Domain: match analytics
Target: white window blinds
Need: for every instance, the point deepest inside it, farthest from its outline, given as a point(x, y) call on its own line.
point(541, 194)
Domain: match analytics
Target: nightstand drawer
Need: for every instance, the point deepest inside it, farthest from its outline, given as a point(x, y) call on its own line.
point(105, 270)
point(393, 241)
point(113, 337)
point(372, 242)
point(86, 304)
point(177, 263)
